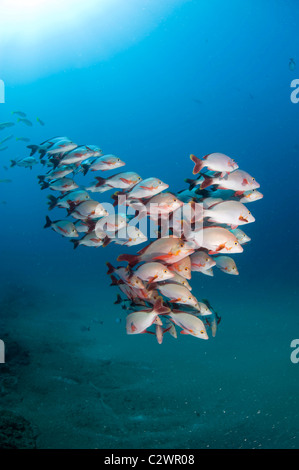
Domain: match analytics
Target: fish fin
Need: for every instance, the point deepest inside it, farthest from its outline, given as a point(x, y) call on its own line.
point(85, 168)
point(44, 184)
point(131, 259)
point(192, 183)
point(118, 299)
point(111, 269)
point(100, 181)
point(208, 181)
point(76, 243)
point(12, 163)
point(160, 308)
point(184, 332)
point(233, 227)
point(198, 164)
point(52, 202)
point(114, 281)
point(48, 222)
point(33, 149)
point(152, 279)
point(106, 241)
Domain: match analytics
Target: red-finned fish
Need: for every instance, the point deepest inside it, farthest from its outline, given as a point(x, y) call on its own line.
point(125, 180)
point(153, 272)
point(214, 162)
point(216, 240)
point(128, 236)
point(177, 294)
point(78, 155)
point(169, 250)
point(190, 324)
point(64, 227)
point(239, 181)
point(159, 206)
point(251, 196)
point(111, 224)
point(62, 184)
point(232, 213)
point(201, 261)
point(90, 239)
point(182, 267)
point(70, 200)
point(226, 264)
point(140, 321)
point(146, 188)
point(177, 279)
point(104, 163)
point(88, 210)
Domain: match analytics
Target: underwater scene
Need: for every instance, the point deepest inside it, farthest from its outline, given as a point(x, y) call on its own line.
point(149, 247)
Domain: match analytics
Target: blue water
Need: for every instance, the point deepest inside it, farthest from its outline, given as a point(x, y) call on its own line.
point(152, 86)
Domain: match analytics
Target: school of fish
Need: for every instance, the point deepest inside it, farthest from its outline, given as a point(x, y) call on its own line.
point(197, 229)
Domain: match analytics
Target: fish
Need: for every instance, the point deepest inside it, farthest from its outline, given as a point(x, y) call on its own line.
point(104, 163)
point(177, 293)
point(69, 200)
point(128, 236)
point(56, 145)
point(5, 125)
point(204, 309)
point(40, 121)
point(159, 206)
point(124, 180)
point(177, 279)
point(57, 173)
point(19, 113)
point(111, 224)
point(146, 188)
point(88, 210)
point(64, 227)
point(182, 267)
point(5, 181)
point(6, 139)
point(232, 213)
point(201, 261)
point(170, 250)
point(153, 272)
point(241, 236)
point(22, 139)
point(25, 121)
point(239, 181)
point(62, 184)
point(90, 239)
point(77, 155)
point(226, 264)
point(3, 149)
point(216, 240)
point(218, 162)
point(27, 162)
point(190, 324)
point(250, 196)
point(140, 321)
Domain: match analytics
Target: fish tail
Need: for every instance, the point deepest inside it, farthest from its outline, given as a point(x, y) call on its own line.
point(192, 183)
point(118, 300)
point(33, 148)
point(13, 163)
point(106, 241)
point(198, 164)
point(52, 202)
point(114, 281)
point(110, 268)
point(131, 259)
point(76, 243)
point(100, 181)
point(44, 184)
point(48, 222)
point(160, 308)
point(208, 181)
point(41, 178)
point(85, 168)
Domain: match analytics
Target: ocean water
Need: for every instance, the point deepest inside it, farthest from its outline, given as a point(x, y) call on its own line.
point(151, 84)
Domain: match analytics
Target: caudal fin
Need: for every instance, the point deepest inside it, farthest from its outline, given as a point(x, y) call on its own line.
point(100, 181)
point(48, 222)
point(208, 181)
point(192, 183)
point(85, 168)
point(33, 149)
point(52, 202)
point(198, 164)
point(160, 308)
point(76, 243)
point(111, 269)
point(131, 259)
point(44, 184)
point(13, 163)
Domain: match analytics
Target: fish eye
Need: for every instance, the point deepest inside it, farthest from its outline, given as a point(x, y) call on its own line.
point(253, 179)
point(236, 243)
point(202, 332)
point(249, 212)
point(165, 270)
point(189, 298)
point(181, 245)
point(159, 182)
point(186, 269)
point(207, 259)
